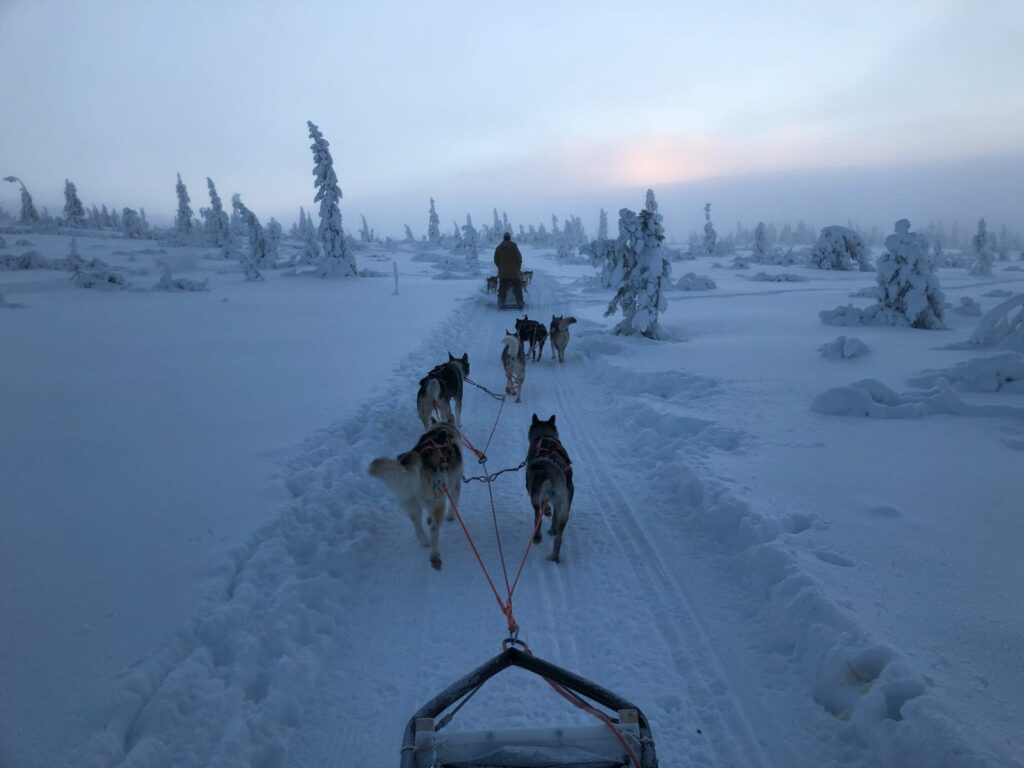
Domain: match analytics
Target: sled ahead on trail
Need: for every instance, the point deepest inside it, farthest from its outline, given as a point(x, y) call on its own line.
point(622, 738)
point(493, 286)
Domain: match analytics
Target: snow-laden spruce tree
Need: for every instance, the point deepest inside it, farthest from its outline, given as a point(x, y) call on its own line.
point(983, 256)
point(115, 218)
point(409, 236)
point(710, 236)
point(183, 218)
point(336, 258)
point(256, 256)
point(506, 225)
point(470, 237)
point(907, 283)
point(761, 252)
point(310, 245)
point(433, 225)
point(131, 224)
point(218, 226)
point(456, 236)
point(28, 214)
point(840, 248)
point(497, 228)
point(74, 212)
point(644, 270)
point(366, 235)
point(274, 232)
point(602, 225)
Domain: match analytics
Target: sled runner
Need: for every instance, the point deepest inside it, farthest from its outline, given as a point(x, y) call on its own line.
point(622, 740)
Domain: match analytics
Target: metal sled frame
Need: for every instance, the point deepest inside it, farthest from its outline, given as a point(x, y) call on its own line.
point(510, 299)
point(418, 743)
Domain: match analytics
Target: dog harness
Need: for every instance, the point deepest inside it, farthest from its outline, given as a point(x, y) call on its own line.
point(551, 448)
point(436, 448)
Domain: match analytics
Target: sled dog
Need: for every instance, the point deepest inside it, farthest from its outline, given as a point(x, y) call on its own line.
point(492, 284)
point(513, 360)
point(533, 334)
point(560, 335)
point(439, 387)
point(548, 480)
point(416, 479)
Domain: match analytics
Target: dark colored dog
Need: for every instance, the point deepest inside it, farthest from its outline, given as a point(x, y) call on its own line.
point(533, 334)
point(549, 480)
point(439, 387)
point(560, 335)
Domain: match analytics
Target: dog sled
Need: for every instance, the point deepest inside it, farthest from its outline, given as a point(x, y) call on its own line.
point(515, 287)
point(621, 740)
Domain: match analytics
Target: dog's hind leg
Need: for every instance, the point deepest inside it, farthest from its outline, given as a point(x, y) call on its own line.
point(436, 515)
point(560, 529)
point(412, 508)
point(453, 490)
point(458, 412)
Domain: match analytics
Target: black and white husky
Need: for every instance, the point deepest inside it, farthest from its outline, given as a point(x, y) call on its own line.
point(417, 476)
point(439, 387)
point(513, 360)
point(548, 480)
point(560, 335)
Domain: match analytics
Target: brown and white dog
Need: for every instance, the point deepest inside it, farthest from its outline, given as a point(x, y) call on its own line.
point(439, 387)
point(549, 480)
point(560, 335)
point(418, 477)
point(513, 360)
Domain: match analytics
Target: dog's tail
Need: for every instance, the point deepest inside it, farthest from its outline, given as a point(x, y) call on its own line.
point(397, 474)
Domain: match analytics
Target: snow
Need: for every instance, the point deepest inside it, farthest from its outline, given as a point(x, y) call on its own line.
point(198, 570)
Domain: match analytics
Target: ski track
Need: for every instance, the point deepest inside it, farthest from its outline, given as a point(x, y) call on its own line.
point(334, 628)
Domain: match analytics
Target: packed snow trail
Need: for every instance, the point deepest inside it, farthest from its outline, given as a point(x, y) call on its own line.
point(334, 628)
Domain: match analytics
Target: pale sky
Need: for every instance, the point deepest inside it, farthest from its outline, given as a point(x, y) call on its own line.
point(531, 107)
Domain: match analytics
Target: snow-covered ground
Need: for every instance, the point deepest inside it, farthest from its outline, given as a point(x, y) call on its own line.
point(195, 568)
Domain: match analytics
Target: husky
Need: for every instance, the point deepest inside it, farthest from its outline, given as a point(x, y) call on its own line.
point(439, 387)
point(560, 335)
point(513, 360)
point(492, 284)
point(532, 334)
point(548, 480)
point(417, 476)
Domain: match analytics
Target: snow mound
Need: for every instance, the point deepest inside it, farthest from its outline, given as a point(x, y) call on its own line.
point(1001, 328)
point(850, 315)
point(968, 306)
point(867, 292)
point(693, 282)
point(781, 277)
point(100, 277)
point(998, 293)
point(23, 243)
point(871, 398)
point(843, 348)
point(1003, 373)
point(5, 305)
point(27, 260)
point(177, 284)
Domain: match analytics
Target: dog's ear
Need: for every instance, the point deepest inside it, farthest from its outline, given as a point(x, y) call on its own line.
point(450, 357)
point(465, 357)
point(535, 421)
point(551, 421)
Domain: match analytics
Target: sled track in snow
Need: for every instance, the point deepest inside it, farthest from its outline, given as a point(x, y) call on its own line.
point(727, 723)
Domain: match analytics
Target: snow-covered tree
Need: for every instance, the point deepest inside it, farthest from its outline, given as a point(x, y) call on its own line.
point(183, 219)
point(274, 233)
point(218, 226)
point(433, 225)
point(28, 214)
point(602, 225)
point(366, 235)
point(409, 236)
point(74, 213)
point(983, 257)
point(457, 235)
point(840, 248)
point(131, 224)
point(470, 237)
point(710, 236)
point(644, 271)
point(257, 255)
point(105, 217)
point(115, 218)
point(310, 245)
point(761, 251)
point(506, 226)
point(142, 215)
point(907, 283)
point(336, 259)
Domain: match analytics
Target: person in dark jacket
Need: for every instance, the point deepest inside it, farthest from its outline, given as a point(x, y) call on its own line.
point(509, 262)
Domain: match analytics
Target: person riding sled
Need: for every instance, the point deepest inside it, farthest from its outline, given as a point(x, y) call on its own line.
point(509, 262)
